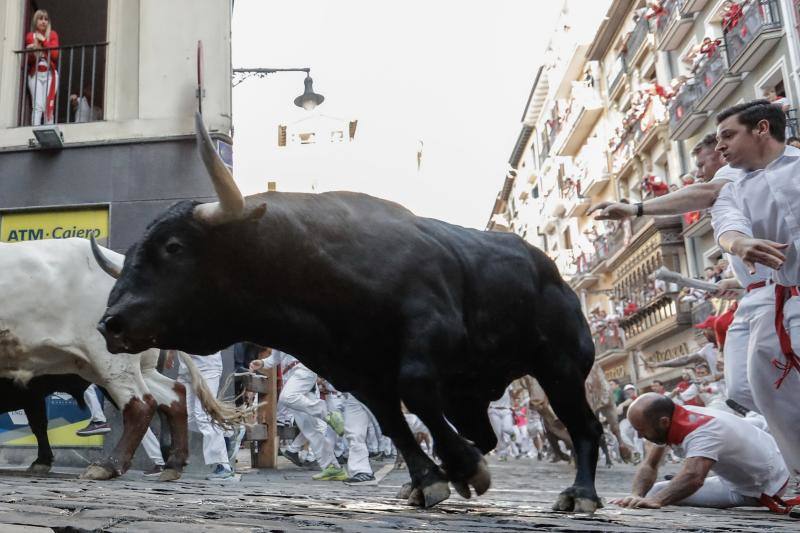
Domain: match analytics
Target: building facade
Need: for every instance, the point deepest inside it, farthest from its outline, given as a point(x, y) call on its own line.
point(614, 114)
point(124, 100)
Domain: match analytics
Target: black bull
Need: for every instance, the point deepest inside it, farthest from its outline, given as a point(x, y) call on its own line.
point(384, 304)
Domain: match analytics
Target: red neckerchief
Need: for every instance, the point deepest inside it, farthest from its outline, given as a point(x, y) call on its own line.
point(683, 423)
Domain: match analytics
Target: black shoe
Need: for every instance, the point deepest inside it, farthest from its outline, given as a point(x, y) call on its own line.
point(154, 471)
point(373, 455)
point(362, 478)
point(294, 457)
point(94, 428)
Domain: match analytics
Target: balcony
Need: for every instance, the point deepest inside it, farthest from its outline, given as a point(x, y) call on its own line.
point(583, 278)
point(617, 77)
point(554, 205)
point(635, 46)
point(757, 32)
point(672, 26)
point(585, 108)
point(608, 342)
point(595, 183)
point(649, 124)
point(683, 121)
point(565, 262)
point(662, 316)
point(575, 204)
point(715, 82)
point(622, 154)
point(69, 95)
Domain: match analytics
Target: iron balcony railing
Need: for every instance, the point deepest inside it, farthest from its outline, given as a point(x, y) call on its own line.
point(618, 70)
point(683, 103)
point(757, 16)
point(636, 39)
point(73, 93)
point(671, 11)
point(711, 70)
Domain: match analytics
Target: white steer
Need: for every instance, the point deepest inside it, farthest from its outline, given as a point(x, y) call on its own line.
point(53, 294)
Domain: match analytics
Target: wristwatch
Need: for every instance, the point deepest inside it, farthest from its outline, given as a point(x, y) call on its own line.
point(639, 209)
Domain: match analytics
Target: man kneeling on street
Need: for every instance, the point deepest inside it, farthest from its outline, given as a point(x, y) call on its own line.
point(747, 465)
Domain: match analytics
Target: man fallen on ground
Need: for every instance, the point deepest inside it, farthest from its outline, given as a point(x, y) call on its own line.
point(727, 461)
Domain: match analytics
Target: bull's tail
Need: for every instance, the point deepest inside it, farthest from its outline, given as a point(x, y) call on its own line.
point(225, 414)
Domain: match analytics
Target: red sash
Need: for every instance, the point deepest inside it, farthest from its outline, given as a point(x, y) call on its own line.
point(782, 294)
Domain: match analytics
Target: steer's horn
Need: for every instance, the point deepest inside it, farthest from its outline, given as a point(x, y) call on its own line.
point(108, 266)
point(231, 203)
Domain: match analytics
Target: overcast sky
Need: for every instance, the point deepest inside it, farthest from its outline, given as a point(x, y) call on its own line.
point(455, 74)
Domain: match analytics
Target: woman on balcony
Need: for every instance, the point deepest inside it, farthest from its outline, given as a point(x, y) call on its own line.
point(42, 41)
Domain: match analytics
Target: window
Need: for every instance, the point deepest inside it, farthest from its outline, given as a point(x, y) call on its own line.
point(76, 92)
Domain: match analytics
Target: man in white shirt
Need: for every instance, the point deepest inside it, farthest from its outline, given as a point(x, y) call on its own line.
point(215, 453)
point(711, 166)
point(310, 413)
point(502, 420)
point(746, 463)
point(756, 218)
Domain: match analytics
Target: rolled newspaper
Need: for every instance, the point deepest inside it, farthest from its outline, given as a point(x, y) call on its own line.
point(669, 276)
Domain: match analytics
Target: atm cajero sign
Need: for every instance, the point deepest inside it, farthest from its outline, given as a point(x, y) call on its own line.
point(64, 224)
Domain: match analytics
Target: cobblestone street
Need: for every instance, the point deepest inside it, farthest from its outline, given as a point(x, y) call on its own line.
point(287, 500)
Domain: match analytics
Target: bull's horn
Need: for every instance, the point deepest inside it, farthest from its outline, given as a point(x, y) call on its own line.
point(108, 266)
point(231, 203)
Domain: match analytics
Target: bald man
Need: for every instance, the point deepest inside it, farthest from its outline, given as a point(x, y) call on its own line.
point(747, 465)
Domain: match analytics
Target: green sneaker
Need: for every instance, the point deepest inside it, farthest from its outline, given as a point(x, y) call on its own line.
point(335, 420)
point(331, 473)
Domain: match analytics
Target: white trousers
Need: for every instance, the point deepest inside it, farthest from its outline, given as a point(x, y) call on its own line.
point(39, 86)
point(90, 397)
point(737, 344)
point(308, 411)
point(778, 405)
point(631, 437)
point(502, 423)
point(714, 493)
point(214, 450)
point(356, 422)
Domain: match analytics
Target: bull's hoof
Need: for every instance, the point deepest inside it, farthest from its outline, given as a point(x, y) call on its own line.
point(578, 500)
point(429, 495)
point(462, 489)
point(169, 474)
point(482, 479)
point(39, 469)
point(97, 472)
point(405, 491)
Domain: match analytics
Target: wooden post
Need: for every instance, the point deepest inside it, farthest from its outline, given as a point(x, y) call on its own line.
point(266, 455)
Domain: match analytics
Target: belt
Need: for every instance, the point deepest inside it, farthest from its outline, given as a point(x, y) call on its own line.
point(758, 285)
point(783, 293)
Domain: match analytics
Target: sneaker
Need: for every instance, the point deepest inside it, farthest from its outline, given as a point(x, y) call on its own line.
point(794, 512)
point(235, 444)
point(220, 471)
point(335, 420)
point(294, 457)
point(331, 473)
point(362, 478)
point(374, 455)
point(155, 470)
point(94, 428)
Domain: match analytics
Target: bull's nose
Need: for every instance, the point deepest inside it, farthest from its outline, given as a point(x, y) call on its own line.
point(111, 327)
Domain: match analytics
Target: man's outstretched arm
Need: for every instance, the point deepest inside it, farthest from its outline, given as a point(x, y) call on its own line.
point(691, 198)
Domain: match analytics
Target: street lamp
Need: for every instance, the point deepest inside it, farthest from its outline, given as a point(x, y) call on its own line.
point(308, 100)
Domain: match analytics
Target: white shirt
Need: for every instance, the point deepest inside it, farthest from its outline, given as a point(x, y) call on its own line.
point(286, 362)
point(745, 457)
point(709, 353)
point(210, 366)
point(729, 174)
point(765, 204)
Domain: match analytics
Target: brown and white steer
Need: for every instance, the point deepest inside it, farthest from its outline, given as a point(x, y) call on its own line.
point(53, 294)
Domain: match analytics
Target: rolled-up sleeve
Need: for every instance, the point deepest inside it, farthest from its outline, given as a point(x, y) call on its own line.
point(727, 214)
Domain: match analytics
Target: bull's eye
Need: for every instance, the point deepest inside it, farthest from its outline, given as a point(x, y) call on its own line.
point(173, 247)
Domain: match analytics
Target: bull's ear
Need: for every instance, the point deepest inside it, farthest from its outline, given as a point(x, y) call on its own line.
point(255, 212)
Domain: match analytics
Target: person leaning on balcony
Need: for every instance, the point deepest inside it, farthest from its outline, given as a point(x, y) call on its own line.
point(756, 218)
point(42, 73)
